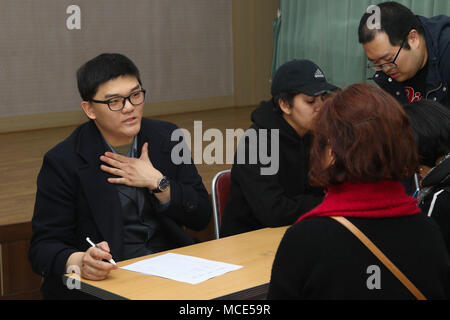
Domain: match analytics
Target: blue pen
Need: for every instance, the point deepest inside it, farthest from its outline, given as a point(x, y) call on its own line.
point(416, 180)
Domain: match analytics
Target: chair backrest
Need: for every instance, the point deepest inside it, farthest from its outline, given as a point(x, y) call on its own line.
point(220, 190)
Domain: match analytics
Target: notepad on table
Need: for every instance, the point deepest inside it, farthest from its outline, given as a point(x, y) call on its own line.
point(181, 268)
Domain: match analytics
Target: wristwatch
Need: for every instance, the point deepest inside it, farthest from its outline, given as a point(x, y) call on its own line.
point(163, 185)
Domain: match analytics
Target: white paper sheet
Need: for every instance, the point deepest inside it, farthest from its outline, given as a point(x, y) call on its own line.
point(181, 268)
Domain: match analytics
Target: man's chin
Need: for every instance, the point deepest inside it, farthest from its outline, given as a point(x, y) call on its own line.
point(133, 131)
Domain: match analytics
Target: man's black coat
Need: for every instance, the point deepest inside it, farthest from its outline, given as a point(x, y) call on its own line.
point(74, 200)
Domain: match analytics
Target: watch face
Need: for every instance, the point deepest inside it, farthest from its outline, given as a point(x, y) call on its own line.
point(163, 184)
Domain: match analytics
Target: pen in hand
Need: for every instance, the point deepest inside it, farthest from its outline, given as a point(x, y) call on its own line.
point(95, 246)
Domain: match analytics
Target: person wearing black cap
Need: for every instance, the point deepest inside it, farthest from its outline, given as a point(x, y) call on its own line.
point(256, 200)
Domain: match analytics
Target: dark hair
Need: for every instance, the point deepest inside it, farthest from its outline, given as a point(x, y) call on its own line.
point(370, 137)
point(101, 69)
point(396, 21)
point(431, 125)
point(287, 97)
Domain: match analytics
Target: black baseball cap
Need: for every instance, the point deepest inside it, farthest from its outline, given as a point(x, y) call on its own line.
point(303, 76)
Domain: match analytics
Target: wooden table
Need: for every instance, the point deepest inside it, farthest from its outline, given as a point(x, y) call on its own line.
point(255, 251)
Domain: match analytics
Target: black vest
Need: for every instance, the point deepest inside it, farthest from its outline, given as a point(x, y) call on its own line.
point(141, 229)
point(139, 223)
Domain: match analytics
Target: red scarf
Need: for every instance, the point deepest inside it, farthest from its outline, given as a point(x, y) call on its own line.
point(384, 199)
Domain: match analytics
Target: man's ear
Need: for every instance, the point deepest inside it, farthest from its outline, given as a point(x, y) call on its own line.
point(414, 39)
point(88, 110)
point(284, 106)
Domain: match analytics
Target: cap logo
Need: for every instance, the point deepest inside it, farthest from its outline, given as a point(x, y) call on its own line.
point(318, 74)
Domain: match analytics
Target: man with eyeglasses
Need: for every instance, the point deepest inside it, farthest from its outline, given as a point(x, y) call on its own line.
point(410, 54)
point(112, 181)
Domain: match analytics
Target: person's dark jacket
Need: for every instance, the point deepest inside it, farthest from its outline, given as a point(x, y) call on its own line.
point(437, 35)
point(258, 201)
point(434, 198)
point(74, 200)
point(319, 259)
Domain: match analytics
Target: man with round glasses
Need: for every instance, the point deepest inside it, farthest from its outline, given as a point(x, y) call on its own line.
point(410, 54)
point(112, 181)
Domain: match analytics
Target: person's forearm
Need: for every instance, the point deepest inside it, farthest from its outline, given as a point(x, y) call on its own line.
point(163, 197)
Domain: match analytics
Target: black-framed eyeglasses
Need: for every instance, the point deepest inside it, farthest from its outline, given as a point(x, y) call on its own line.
point(118, 103)
point(389, 65)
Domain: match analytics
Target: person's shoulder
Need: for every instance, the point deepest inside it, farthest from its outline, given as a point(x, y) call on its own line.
point(311, 228)
point(438, 21)
point(308, 238)
point(67, 147)
point(315, 222)
point(438, 29)
point(64, 156)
